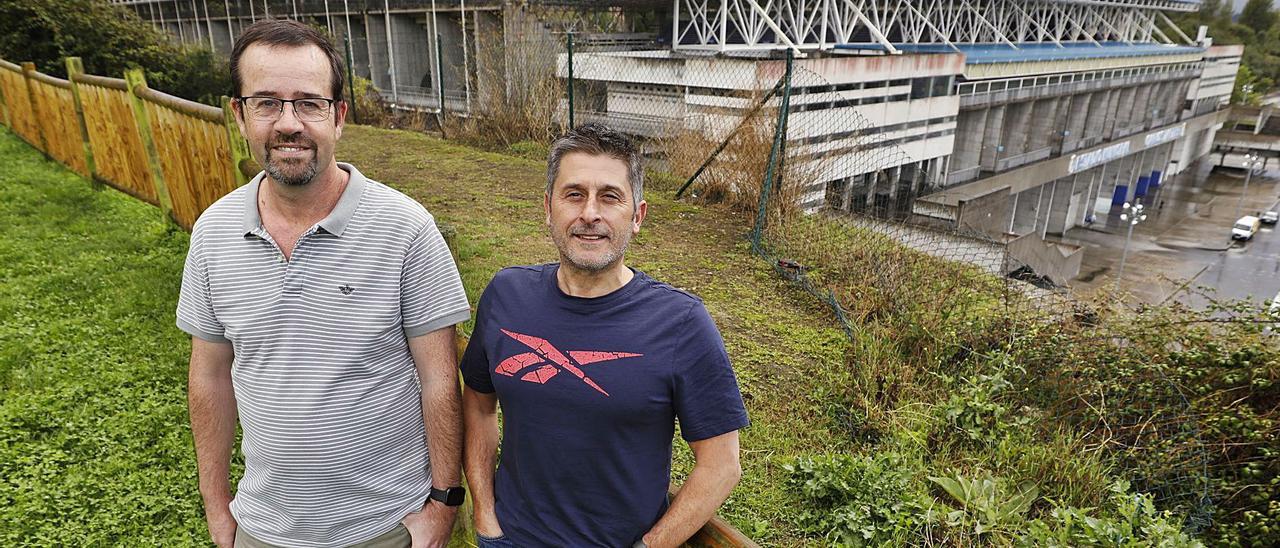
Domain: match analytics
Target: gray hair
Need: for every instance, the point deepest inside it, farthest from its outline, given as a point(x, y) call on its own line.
point(596, 140)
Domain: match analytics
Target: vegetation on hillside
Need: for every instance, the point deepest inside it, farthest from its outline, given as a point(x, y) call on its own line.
point(1256, 27)
point(110, 39)
point(954, 414)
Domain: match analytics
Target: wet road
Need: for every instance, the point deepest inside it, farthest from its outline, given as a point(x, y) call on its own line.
point(1183, 250)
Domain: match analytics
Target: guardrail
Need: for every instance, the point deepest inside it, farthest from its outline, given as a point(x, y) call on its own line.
point(167, 151)
point(1026, 82)
point(962, 175)
point(1024, 158)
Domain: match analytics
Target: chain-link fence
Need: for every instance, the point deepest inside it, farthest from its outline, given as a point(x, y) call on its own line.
point(829, 195)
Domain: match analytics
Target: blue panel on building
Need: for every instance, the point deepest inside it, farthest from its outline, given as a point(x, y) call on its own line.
point(1120, 196)
point(1155, 179)
point(1141, 190)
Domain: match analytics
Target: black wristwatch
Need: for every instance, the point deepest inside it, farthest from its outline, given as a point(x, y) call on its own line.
point(452, 496)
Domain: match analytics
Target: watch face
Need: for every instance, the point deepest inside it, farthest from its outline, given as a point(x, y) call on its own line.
point(453, 496)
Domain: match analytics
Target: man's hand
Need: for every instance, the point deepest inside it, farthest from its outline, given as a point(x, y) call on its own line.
point(431, 526)
point(487, 524)
point(222, 527)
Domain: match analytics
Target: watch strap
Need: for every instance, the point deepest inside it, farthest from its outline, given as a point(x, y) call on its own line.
point(453, 496)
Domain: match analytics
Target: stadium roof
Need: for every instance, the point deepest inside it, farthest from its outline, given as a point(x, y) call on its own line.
point(977, 54)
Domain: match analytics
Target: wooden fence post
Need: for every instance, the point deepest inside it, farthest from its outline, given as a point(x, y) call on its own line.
point(4, 109)
point(27, 69)
point(75, 67)
point(133, 79)
point(236, 143)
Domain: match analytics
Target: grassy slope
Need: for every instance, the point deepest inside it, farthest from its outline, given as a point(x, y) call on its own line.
point(93, 429)
point(784, 345)
point(94, 447)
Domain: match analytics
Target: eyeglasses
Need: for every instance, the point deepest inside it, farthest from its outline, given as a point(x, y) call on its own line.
point(269, 109)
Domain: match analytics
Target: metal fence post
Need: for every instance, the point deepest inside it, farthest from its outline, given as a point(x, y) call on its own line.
point(571, 124)
point(351, 79)
point(779, 135)
point(241, 160)
point(133, 80)
point(75, 67)
point(29, 68)
point(440, 78)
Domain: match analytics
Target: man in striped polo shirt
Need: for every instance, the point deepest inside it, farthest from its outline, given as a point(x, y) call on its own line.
point(322, 307)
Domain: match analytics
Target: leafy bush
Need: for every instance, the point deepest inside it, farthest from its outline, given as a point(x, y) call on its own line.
point(109, 39)
point(867, 500)
point(1131, 520)
point(987, 506)
point(974, 412)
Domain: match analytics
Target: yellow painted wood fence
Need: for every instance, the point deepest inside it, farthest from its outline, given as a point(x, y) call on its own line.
point(170, 152)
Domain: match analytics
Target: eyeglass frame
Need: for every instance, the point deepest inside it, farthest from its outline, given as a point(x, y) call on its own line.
point(280, 112)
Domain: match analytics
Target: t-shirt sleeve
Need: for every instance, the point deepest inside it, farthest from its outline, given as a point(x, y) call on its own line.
point(475, 360)
point(431, 294)
point(708, 402)
point(195, 303)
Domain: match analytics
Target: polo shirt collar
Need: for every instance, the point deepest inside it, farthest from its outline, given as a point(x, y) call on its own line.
point(335, 223)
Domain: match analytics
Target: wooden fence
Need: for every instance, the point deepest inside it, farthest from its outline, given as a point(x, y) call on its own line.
point(167, 151)
point(170, 152)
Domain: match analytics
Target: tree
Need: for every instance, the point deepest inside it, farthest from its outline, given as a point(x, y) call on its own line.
point(1258, 16)
point(109, 39)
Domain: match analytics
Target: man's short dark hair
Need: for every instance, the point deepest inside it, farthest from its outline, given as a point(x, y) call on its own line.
point(596, 140)
point(285, 32)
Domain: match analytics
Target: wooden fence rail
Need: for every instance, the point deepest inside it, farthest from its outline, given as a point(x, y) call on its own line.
point(167, 151)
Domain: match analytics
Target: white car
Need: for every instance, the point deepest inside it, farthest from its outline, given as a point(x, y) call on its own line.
point(1245, 228)
point(1269, 217)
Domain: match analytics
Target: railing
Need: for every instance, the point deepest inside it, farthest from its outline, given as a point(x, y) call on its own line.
point(1024, 158)
point(961, 175)
point(1010, 84)
point(167, 151)
point(428, 98)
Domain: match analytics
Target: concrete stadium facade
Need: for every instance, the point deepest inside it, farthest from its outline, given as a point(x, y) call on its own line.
point(1013, 119)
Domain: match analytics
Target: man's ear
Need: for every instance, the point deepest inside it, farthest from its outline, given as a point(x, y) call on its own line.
point(238, 109)
point(341, 109)
point(546, 207)
point(642, 209)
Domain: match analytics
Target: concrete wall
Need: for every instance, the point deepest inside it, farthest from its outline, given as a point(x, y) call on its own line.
point(987, 214)
point(1056, 261)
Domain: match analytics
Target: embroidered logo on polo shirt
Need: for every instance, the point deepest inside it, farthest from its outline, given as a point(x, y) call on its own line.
point(346, 289)
point(546, 361)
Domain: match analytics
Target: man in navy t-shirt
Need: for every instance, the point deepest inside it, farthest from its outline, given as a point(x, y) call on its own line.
point(593, 363)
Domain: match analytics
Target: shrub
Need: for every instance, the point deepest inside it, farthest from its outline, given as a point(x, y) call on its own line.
point(1130, 520)
point(109, 39)
point(866, 500)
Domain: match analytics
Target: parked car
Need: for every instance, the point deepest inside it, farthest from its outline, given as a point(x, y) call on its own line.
point(1245, 228)
point(1269, 217)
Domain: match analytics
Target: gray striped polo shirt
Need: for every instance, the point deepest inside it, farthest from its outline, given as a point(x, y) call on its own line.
point(326, 390)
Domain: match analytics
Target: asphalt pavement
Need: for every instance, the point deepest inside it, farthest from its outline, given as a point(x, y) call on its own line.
point(1184, 251)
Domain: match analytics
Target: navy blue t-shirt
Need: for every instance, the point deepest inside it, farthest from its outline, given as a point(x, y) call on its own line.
point(590, 389)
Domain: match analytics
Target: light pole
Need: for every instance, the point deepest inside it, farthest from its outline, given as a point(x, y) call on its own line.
point(1133, 215)
point(1251, 161)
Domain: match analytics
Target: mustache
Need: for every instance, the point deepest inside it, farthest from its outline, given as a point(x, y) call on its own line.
point(294, 139)
point(588, 231)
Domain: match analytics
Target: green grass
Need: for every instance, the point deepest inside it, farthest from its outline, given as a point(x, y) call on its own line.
point(95, 448)
point(94, 435)
point(94, 442)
